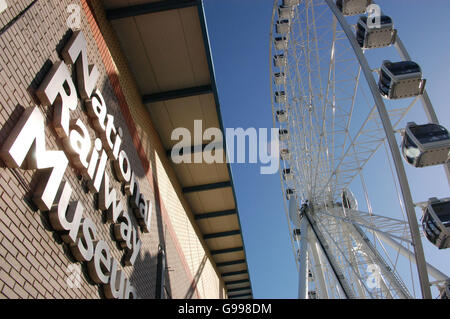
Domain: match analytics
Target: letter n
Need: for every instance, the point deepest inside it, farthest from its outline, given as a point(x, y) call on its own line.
point(76, 50)
point(29, 135)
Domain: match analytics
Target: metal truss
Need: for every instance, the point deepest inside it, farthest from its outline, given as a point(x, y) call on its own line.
point(358, 261)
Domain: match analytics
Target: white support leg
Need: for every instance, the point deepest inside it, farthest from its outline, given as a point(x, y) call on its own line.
point(396, 156)
point(303, 261)
point(318, 268)
point(434, 272)
point(353, 259)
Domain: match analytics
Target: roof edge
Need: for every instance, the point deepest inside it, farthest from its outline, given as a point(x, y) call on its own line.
point(203, 23)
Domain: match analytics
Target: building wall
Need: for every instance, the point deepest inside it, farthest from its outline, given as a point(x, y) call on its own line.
point(180, 217)
point(34, 262)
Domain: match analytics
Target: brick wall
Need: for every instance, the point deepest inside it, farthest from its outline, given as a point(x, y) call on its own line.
point(177, 214)
point(33, 258)
point(15, 8)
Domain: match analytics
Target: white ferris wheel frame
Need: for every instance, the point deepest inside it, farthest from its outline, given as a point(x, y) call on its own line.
point(315, 238)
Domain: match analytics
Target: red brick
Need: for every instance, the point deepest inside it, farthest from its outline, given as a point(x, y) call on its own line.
point(6, 232)
point(9, 293)
point(3, 216)
point(29, 246)
point(21, 292)
point(42, 290)
point(36, 275)
point(31, 290)
point(6, 278)
point(13, 262)
point(47, 287)
point(27, 275)
point(33, 261)
point(19, 246)
point(9, 247)
point(18, 278)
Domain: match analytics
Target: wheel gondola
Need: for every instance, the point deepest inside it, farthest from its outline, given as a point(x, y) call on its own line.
point(288, 174)
point(436, 222)
point(425, 145)
point(290, 192)
point(285, 154)
point(400, 80)
point(279, 78)
point(284, 134)
point(282, 26)
point(291, 3)
point(280, 97)
point(372, 36)
point(282, 116)
point(281, 43)
point(352, 7)
point(285, 12)
point(279, 60)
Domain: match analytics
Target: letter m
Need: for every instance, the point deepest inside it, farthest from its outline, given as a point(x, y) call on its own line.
point(25, 148)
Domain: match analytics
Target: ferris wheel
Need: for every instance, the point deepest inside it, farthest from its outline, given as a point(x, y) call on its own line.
point(334, 111)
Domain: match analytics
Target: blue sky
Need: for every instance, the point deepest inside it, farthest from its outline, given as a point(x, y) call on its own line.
point(239, 36)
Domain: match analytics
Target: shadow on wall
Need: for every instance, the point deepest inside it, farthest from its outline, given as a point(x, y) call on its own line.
point(145, 269)
point(114, 80)
point(143, 276)
point(195, 280)
point(167, 289)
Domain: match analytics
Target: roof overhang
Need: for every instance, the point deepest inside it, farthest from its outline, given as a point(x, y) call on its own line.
point(167, 47)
